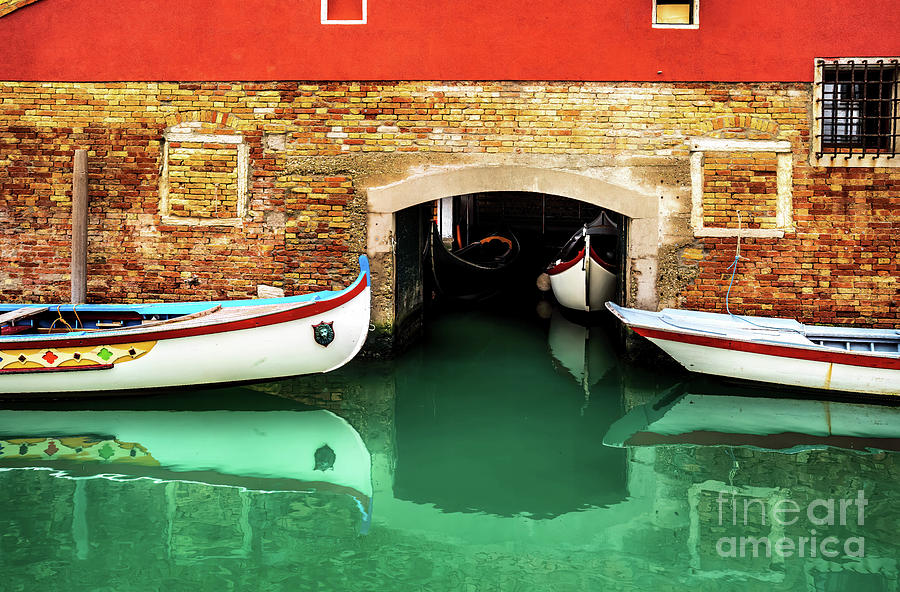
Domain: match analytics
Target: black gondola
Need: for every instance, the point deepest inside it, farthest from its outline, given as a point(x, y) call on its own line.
point(477, 271)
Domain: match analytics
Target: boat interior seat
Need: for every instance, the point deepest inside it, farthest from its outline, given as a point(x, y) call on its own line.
point(885, 346)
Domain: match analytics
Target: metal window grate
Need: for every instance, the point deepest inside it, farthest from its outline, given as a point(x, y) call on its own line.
point(860, 107)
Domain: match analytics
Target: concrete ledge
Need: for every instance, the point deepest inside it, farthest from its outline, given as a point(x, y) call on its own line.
point(738, 145)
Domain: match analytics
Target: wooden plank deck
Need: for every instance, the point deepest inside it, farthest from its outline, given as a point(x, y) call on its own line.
point(21, 313)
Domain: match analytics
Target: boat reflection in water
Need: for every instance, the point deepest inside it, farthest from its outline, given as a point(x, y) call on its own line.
point(260, 451)
point(581, 352)
point(693, 414)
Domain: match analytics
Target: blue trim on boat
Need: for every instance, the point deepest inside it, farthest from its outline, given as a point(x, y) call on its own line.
point(182, 308)
point(176, 309)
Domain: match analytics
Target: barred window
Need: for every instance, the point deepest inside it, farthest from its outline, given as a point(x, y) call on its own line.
point(857, 108)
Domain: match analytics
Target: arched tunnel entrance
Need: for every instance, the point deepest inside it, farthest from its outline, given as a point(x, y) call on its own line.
point(542, 208)
point(478, 248)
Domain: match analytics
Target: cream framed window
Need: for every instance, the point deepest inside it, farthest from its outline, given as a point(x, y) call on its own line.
point(345, 12)
point(783, 215)
point(676, 14)
point(204, 177)
point(856, 112)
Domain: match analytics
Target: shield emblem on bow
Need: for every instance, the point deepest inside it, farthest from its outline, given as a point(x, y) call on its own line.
point(323, 333)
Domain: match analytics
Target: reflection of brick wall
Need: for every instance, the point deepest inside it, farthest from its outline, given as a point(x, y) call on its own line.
point(305, 220)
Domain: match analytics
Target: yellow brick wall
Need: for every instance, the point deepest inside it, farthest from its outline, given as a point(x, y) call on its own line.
point(303, 229)
point(203, 180)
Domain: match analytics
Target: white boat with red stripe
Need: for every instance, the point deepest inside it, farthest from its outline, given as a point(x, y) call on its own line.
point(774, 350)
point(95, 348)
point(584, 275)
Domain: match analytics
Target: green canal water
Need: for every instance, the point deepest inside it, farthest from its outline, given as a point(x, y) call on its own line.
point(502, 452)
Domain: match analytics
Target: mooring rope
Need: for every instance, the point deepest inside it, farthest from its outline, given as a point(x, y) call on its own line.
point(733, 268)
point(59, 318)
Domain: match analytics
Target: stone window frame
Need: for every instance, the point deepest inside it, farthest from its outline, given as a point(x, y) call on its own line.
point(695, 18)
point(326, 21)
point(784, 218)
point(770, 495)
point(242, 169)
point(816, 155)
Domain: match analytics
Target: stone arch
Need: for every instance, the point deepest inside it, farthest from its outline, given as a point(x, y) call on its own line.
point(641, 209)
point(482, 179)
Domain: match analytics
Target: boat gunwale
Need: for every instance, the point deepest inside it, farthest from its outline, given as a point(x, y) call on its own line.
point(812, 352)
point(565, 265)
point(188, 307)
point(265, 314)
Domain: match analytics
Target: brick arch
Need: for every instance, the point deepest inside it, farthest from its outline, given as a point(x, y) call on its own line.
point(206, 116)
point(739, 126)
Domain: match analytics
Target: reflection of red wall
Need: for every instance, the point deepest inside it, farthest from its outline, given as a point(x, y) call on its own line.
point(764, 40)
point(345, 10)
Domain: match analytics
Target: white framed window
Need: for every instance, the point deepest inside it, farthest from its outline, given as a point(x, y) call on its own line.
point(344, 12)
point(676, 14)
point(856, 108)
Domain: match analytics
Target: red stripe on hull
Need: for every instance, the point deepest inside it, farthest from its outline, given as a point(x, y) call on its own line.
point(781, 351)
point(561, 267)
point(299, 311)
point(599, 261)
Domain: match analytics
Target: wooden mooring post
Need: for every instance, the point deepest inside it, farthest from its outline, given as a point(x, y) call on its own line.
point(79, 227)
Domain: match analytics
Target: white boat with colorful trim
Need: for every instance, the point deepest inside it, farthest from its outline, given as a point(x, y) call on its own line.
point(773, 350)
point(583, 276)
point(96, 348)
point(254, 450)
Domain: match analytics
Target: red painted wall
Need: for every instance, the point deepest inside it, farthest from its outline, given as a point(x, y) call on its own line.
point(763, 40)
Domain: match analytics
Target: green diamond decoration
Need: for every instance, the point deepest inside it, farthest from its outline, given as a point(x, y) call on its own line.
point(104, 354)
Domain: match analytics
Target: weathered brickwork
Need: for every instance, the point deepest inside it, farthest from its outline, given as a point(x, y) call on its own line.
point(841, 265)
point(303, 226)
point(739, 182)
point(317, 231)
point(203, 179)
